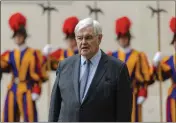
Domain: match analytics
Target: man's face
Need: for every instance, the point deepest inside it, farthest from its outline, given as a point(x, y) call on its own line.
point(19, 39)
point(87, 42)
point(71, 43)
point(124, 42)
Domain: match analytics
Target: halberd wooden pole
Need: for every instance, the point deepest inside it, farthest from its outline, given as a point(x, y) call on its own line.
point(159, 49)
point(49, 42)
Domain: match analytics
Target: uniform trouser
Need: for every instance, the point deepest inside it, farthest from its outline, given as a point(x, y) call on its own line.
point(171, 109)
point(19, 105)
point(136, 110)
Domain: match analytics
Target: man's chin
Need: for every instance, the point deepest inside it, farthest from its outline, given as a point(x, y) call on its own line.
point(85, 53)
point(124, 46)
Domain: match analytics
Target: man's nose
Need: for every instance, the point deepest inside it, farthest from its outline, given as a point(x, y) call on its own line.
point(84, 41)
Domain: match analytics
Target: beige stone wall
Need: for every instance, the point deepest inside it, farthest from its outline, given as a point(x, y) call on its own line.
point(144, 30)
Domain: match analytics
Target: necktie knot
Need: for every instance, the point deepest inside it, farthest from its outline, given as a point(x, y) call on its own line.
point(87, 62)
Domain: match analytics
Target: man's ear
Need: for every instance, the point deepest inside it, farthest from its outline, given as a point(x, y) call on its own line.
point(100, 38)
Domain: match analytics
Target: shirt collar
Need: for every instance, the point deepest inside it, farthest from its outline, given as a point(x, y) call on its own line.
point(94, 60)
point(126, 50)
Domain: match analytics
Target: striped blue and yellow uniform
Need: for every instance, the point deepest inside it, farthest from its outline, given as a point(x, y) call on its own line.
point(60, 55)
point(141, 76)
point(27, 76)
point(167, 70)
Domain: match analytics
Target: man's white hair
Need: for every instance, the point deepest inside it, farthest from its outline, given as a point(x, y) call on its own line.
point(89, 22)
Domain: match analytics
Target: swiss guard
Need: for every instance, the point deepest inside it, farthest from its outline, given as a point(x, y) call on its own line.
point(165, 68)
point(25, 65)
point(60, 54)
point(139, 69)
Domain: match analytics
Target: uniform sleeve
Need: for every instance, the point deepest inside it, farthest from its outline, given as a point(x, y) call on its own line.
point(33, 71)
point(138, 74)
point(146, 69)
point(41, 67)
point(163, 71)
point(54, 63)
point(53, 59)
point(5, 61)
point(37, 72)
point(143, 74)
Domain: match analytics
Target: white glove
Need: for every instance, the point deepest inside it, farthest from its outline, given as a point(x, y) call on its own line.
point(140, 99)
point(47, 49)
point(157, 58)
point(35, 96)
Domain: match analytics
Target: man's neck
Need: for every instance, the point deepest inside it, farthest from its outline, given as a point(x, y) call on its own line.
point(126, 49)
point(94, 59)
point(22, 47)
point(91, 56)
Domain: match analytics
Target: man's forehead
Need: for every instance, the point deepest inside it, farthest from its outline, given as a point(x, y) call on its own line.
point(85, 31)
point(85, 34)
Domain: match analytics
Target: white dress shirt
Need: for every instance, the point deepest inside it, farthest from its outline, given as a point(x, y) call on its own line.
point(93, 67)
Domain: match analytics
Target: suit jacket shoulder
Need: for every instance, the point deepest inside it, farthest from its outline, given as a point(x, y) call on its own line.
point(115, 63)
point(67, 62)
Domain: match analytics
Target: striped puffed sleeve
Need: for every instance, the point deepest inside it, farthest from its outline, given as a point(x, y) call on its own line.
point(163, 70)
point(5, 61)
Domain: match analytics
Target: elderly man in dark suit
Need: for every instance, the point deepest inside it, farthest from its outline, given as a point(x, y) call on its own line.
point(91, 86)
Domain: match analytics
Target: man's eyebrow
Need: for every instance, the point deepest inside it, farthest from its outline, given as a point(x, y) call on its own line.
point(88, 35)
point(85, 35)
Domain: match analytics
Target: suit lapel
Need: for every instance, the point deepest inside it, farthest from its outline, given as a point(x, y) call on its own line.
point(102, 66)
point(76, 72)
